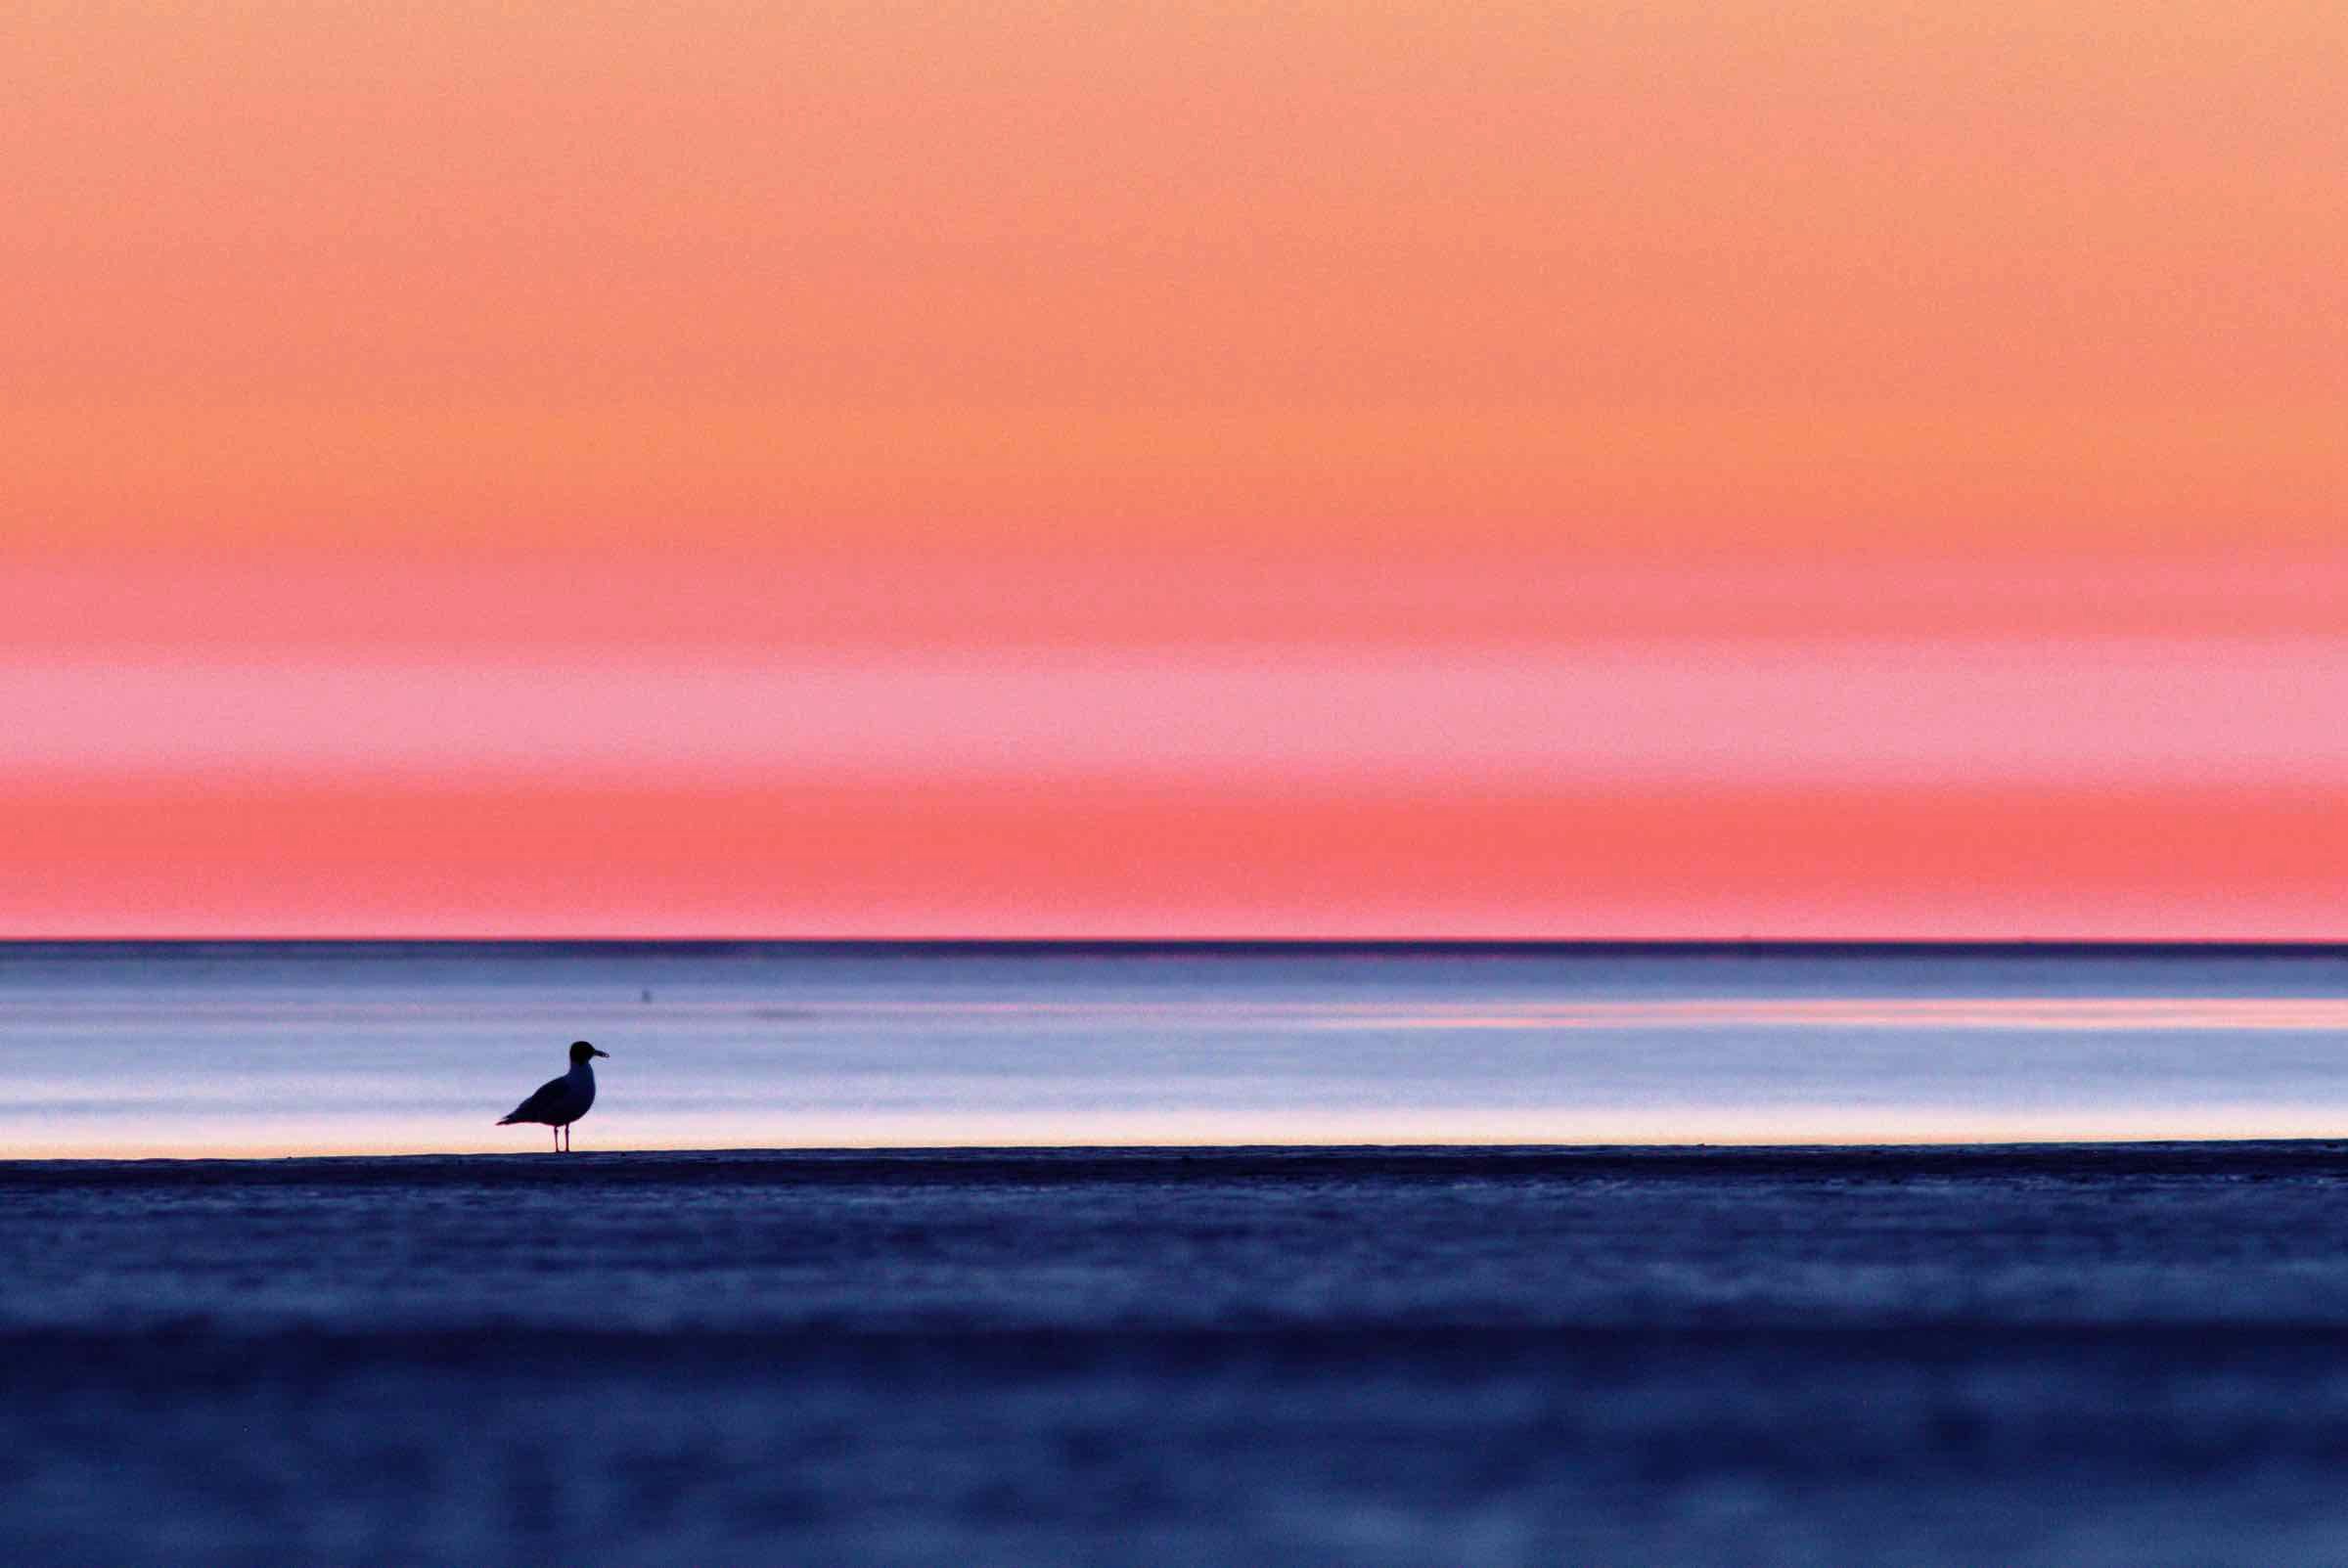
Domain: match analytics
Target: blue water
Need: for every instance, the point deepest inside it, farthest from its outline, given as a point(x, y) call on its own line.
point(112, 1050)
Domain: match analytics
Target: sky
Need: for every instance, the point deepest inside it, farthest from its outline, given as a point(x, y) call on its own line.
point(1810, 470)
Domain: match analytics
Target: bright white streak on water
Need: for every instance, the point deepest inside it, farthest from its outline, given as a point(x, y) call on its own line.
point(124, 1051)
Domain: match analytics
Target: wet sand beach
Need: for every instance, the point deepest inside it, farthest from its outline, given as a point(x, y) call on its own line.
point(2077, 1354)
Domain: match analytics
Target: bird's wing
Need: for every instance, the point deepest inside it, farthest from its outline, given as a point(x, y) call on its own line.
point(552, 1100)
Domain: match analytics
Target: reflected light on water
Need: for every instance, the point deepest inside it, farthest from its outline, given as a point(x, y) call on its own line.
point(2033, 1014)
point(271, 1053)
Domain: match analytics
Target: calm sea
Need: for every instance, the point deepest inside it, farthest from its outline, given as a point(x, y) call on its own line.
point(263, 1048)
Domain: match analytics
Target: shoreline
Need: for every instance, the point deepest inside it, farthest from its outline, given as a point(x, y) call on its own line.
point(1007, 1165)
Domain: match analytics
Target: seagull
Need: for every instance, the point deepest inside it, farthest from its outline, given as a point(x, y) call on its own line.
point(559, 1101)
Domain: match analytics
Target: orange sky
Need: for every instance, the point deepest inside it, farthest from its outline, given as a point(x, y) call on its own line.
point(1824, 469)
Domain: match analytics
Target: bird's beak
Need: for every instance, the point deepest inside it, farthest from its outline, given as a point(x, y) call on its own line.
point(592, 1051)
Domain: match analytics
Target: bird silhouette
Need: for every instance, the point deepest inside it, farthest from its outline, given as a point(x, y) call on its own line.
point(559, 1101)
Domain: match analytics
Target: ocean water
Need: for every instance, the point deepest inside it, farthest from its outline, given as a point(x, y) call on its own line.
point(1927, 1341)
point(123, 1049)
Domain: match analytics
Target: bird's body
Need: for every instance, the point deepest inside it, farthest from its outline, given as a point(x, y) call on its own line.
point(559, 1101)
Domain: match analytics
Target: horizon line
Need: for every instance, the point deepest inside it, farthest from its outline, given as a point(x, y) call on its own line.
point(942, 946)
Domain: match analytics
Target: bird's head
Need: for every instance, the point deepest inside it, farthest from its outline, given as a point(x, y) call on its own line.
point(580, 1050)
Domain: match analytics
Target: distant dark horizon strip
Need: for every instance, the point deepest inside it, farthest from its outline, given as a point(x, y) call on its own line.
point(1144, 947)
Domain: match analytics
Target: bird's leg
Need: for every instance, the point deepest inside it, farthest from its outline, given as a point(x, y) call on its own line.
point(557, 1132)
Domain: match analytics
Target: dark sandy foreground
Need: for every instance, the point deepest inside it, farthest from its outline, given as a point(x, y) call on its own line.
point(2127, 1355)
